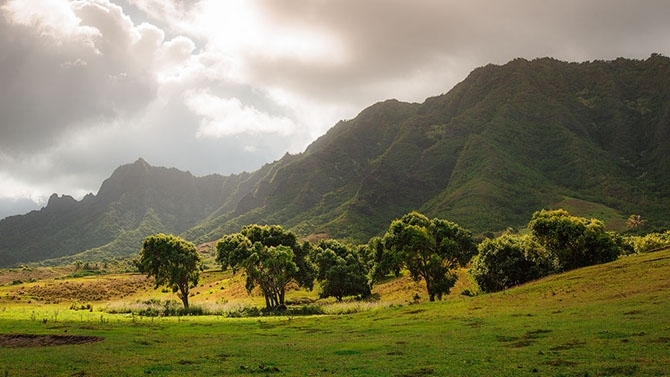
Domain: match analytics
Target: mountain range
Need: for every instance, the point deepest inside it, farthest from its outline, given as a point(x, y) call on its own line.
point(591, 137)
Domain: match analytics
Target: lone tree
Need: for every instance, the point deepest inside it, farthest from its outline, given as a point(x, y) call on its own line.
point(172, 261)
point(341, 270)
point(430, 249)
point(635, 221)
point(271, 259)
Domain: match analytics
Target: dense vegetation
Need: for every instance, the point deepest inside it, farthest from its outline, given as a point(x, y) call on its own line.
point(557, 242)
point(591, 137)
point(429, 250)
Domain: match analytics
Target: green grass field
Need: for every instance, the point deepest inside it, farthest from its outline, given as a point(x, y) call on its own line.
point(606, 320)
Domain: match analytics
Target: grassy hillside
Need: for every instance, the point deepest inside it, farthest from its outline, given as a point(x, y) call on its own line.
point(605, 320)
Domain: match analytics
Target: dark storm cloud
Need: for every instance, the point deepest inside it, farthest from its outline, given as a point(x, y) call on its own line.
point(386, 40)
point(51, 85)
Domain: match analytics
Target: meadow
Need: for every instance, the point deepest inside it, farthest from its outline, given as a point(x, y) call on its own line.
point(605, 320)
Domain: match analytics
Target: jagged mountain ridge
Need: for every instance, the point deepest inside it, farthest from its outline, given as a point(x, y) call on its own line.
point(505, 142)
point(136, 200)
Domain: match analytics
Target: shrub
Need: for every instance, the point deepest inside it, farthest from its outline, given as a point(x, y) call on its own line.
point(573, 241)
point(507, 261)
point(650, 242)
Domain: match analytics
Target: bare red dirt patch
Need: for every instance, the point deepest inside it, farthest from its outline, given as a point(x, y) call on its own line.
point(35, 340)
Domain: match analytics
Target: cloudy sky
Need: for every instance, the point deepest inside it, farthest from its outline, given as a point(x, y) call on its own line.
point(224, 86)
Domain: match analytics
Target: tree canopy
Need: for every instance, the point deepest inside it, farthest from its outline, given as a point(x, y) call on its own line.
point(430, 249)
point(172, 261)
point(574, 241)
point(557, 242)
point(507, 261)
point(341, 270)
point(271, 259)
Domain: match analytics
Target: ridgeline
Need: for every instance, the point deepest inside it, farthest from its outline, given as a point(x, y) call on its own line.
point(591, 137)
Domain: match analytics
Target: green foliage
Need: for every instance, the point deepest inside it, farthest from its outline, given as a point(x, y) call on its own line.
point(271, 259)
point(341, 270)
point(430, 249)
point(650, 242)
point(574, 241)
point(507, 140)
point(509, 260)
point(557, 242)
point(384, 261)
point(137, 200)
point(172, 261)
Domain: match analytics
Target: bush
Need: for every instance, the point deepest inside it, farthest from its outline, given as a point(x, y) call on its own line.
point(507, 261)
point(245, 312)
point(573, 241)
point(306, 310)
point(650, 242)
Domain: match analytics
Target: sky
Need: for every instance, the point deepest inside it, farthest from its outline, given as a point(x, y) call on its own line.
point(225, 86)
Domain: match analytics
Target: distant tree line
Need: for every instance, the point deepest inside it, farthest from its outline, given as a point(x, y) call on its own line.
point(429, 250)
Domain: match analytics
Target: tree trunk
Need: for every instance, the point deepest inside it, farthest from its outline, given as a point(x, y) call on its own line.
point(184, 299)
point(282, 294)
point(429, 287)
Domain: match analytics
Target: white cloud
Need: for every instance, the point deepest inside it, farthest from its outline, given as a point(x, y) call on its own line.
point(229, 116)
point(50, 18)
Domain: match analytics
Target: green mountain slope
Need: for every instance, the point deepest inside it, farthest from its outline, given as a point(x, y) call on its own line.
point(505, 142)
point(137, 200)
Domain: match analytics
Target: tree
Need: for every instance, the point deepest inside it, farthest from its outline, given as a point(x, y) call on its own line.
point(383, 260)
point(271, 259)
point(172, 261)
point(430, 249)
point(635, 221)
point(574, 241)
point(507, 261)
point(341, 270)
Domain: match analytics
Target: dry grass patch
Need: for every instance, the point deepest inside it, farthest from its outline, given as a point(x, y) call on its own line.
point(28, 274)
point(85, 290)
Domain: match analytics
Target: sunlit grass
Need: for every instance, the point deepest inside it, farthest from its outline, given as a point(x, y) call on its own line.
point(606, 320)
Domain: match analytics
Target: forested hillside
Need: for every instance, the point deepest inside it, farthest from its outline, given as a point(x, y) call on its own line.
point(136, 200)
point(505, 142)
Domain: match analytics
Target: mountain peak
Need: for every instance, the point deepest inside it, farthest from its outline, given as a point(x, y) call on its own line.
point(57, 203)
point(141, 162)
